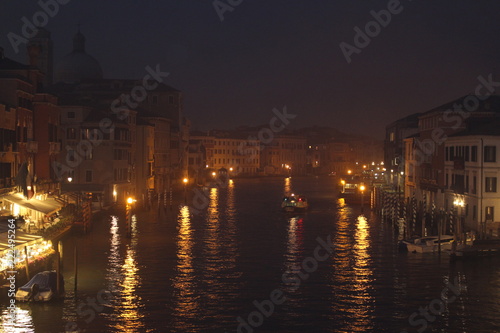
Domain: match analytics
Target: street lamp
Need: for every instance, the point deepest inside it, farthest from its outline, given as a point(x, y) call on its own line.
point(70, 179)
point(185, 181)
point(128, 212)
point(362, 189)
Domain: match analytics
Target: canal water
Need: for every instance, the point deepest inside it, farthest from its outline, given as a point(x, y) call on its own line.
point(233, 262)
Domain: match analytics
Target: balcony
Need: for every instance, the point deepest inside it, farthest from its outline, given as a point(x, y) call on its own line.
point(7, 182)
point(32, 146)
point(7, 147)
point(54, 148)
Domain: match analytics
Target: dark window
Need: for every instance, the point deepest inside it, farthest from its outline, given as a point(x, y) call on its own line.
point(490, 153)
point(458, 184)
point(490, 213)
point(490, 184)
point(467, 153)
point(473, 154)
point(155, 99)
point(71, 155)
point(71, 133)
point(88, 176)
point(474, 212)
point(452, 153)
point(474, 184)
point(447, 154)
point(171, 99)
point(71, 114)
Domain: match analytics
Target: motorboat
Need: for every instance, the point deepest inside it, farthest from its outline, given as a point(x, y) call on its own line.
point(294, 203)
point(42, 287)
point(429, 243)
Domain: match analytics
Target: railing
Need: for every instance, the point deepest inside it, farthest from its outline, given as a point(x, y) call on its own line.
point(54, 147)
point(7, 182)
point(32, 146)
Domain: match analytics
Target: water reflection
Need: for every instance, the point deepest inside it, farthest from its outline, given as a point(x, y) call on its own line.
point(363, 277)
point(122, 276)
point(353, 277)
point(186, 305)
point(295, 249)
point(23, 322)
point(287, 187)
point(220, 253)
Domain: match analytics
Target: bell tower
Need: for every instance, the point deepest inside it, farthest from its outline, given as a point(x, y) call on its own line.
point(44, 60)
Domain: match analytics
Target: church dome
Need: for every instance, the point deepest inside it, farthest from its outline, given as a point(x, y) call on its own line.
point(77, 65)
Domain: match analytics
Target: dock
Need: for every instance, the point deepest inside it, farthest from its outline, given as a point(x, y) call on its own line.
point(479, 248)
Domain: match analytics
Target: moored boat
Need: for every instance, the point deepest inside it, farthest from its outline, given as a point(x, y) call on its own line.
point(429, 244)
point(42, 287)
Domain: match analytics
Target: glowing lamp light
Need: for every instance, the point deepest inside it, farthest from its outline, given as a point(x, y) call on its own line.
point(231, 169)
point(349, 172)
point(70, 179)
point(362, 188)
point(130, 200)
point(342, 182)
point(185, 180)
point(213, 174)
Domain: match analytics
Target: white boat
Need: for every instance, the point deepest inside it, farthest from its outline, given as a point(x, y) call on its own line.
point(429, 244)
point(42, 287)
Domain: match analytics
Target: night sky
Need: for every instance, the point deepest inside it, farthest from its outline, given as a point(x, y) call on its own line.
point(271, 53)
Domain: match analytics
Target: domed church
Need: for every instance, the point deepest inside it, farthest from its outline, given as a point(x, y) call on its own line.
point(77, 65)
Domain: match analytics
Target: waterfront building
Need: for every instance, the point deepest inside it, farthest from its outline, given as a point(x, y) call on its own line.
point(147, 157)
point(425, 152)
point(29, 141)
point(395, 134)
point(472, 168)
point(230, 152)
point(284, 155)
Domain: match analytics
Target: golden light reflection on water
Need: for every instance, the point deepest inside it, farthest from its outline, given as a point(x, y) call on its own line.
point(23, 322)
point(287, 187)
point(186, 304)
point(294, 251)
point(123, 280)
point(220, 251)
point(353, 277)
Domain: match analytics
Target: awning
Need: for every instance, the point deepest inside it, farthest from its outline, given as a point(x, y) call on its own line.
point(48, 206)
point(21, 238)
